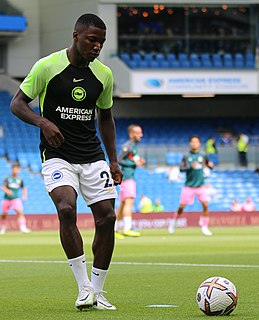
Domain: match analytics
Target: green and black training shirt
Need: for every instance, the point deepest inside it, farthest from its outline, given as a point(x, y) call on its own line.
point(68, 96)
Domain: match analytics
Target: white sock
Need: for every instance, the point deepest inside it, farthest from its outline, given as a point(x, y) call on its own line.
point(172, 223)
point(78, 266)
point(98, 278)
point(127, 223)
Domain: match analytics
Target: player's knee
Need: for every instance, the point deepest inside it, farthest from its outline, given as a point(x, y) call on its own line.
point(66, 212)
point(107, 220)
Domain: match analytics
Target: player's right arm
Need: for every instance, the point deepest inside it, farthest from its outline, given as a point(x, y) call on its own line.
point(185, 166)
point(123, 157)
point(31, 87)
point(6, 190)
point(20, 107)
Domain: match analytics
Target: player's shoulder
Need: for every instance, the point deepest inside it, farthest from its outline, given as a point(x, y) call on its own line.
point(203, 154)
point(127, 145)
point(55, 58)
point(186, 154)
point(100, 68)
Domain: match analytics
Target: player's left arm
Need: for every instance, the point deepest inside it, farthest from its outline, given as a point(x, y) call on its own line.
point(208, 163)
point(107, 130)
point(24, 191)
point(24, 194)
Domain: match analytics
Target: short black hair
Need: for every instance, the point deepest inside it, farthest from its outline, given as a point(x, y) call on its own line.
point(15, 165)
point(90, 19)
point(194, 136)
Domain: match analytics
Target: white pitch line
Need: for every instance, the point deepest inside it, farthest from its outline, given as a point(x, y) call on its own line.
point(166, 264)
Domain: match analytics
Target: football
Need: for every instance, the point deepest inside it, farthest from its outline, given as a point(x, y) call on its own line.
point(217, 296)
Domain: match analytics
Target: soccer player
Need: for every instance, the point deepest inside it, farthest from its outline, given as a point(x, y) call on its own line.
point(11, 187)
point(193, 164)
point(129, 160)
point(72, 84)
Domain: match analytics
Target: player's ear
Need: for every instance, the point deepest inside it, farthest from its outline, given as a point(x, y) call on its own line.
point(75, 35)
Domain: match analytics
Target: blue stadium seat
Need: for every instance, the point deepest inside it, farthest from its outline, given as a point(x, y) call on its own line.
point(250, 61)
point(173, 158)
point(239, 61)
point(217, 61)
point(136, 57)
point(164, 64)
point(175, 64)
point(132, 64)
point(228, 61)
point(125, 57)
point(206, 60)
point(148, 57)
point(143, 64)
point(160, 57)
point(154, 64)
point(171, 57)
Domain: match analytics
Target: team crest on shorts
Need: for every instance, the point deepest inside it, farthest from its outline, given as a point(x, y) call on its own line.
point(57, 175)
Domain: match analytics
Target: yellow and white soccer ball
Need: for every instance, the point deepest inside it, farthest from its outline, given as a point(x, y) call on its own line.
point(217, 296)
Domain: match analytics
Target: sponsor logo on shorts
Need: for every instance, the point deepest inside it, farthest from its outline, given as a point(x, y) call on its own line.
point(57, 175)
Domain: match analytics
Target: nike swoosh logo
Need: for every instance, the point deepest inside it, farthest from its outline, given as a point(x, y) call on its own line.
point(84, 297)
point(96, 274)
point(77, 80)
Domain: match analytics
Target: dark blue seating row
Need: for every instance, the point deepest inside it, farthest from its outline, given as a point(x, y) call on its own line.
point(185, 61)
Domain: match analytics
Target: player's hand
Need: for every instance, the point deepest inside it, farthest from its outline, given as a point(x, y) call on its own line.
point(52, 134)
point(194, 164)
point(116, 173)
point(140, 162)
point(210, 165)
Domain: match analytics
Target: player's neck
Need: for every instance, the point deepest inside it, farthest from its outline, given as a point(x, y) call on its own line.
point(75, 60)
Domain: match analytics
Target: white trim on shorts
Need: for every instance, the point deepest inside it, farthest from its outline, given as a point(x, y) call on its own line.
point(92, 180)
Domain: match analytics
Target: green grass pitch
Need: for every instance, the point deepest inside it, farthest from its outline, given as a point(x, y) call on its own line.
point(157, 268)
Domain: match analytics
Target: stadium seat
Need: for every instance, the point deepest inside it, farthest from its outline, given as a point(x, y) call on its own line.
point(217, 61)
point(164, 64)
point(148, 57)
point(250, 61)
point(173, 158)
point(174, 64)
point(132, 64)
point(228, 61)
point(239, 61)
point(125, 57)
point(171, 57)
point(136, 57)
point(160, 57)
point(143, 64)
point(154, 64)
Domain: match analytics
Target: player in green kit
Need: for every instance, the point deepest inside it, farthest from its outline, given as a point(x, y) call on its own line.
point(11, 187)
point(73, 86)
point(129, 160)
point(193, 164)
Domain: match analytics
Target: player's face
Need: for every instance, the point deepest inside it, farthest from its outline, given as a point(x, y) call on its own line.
point(136, 134)
point(195, 144)
point(89, 42)
point(15, 170)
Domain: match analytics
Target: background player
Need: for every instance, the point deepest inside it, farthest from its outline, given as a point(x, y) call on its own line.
point(11, 187)
point(129, 160)
point(193, 164)
point(72, 84)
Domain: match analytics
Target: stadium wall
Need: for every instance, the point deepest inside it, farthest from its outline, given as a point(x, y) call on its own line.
point(178, 107)
point(143, 221)
point(25, 50)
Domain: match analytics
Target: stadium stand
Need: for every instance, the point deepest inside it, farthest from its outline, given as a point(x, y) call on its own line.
point(229, 184)
point(20, 143)
point(193, 60)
